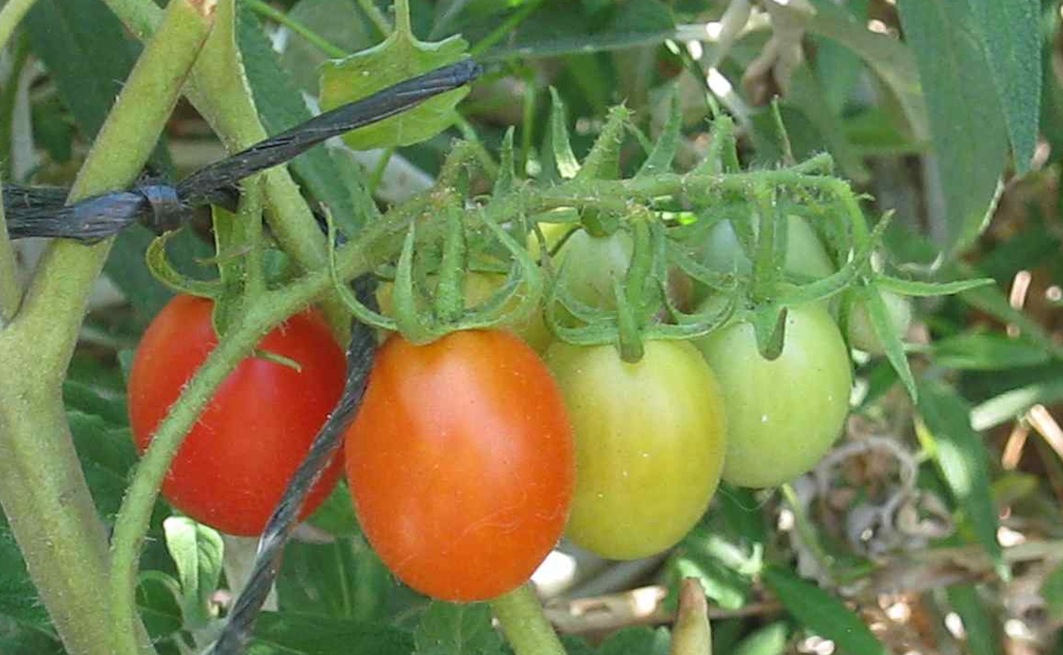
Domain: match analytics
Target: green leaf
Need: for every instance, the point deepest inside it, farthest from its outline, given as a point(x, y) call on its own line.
point(399, 57)
point(978, 623)
point(288, 633)
point(967, 128)
point(644, 641)
point(986, 351)
point(1014, 403)
point(339, 22)
point(769, 640)
point(1010, 34)
point(822, 613)
point(197, 551)
point(106, 454)
point(449, 629)
point(1052, 592)
point(87, 52)
point(343, 579)
point(961, 458)
point(742, 512)
point(280, 106)
point(19, 604)
point(889, 59)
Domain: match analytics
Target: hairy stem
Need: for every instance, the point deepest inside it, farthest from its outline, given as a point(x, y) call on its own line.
point(42, 487)
point(524, 624)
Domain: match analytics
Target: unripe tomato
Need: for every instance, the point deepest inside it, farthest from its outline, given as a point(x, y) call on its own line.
point(590, 266)
point(650, 441)
point(805, 254)
point(783, 415)
point(234, 465)
point(461, 463)
point(862, 332)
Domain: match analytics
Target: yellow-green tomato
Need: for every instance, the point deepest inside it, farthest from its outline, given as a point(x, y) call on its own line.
point(783, 415)
point(650, 441)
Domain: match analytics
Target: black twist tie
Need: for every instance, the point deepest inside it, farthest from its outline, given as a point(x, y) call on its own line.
point(42, 211)
point(167, 210)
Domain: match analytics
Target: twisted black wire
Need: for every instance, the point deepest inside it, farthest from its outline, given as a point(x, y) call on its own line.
point(33, 211)
point(360, 350)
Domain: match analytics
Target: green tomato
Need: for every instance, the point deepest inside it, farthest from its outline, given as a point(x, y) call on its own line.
point(650, 440)
point(861, 331)
point(590, 266)
point(805, 254)
point(783, 415)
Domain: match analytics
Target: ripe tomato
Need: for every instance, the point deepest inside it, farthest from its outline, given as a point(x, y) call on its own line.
point(461, 463)
point(650, 442)
point(236, 461)
point(783, 415)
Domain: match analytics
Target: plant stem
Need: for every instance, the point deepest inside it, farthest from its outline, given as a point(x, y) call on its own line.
point(379, 21)
point(524, 624)
point(10, 289)
point(42, 487)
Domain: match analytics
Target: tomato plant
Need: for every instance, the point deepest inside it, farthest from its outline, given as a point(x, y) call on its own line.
point(461, 463)
point(784, 414)
point(591, 266)
point(234, 464)
point(650, 441)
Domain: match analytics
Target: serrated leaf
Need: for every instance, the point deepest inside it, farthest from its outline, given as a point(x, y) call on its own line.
point(982, 638)
point(822, 613)
point(1010, 34)
point(986, 351)
point(288, 633)
point(399, 57)
point(280, 106)
point(449, 629)
point(197, 551)
point(961, 457)
point(967, 128)
point(882, 322)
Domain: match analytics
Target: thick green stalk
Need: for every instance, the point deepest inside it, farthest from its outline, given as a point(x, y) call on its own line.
point(524, 624)
point(10, 290)
point(42, 487)
point(217, 89)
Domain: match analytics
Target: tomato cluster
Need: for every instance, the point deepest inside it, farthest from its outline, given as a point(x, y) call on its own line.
point(471, 455)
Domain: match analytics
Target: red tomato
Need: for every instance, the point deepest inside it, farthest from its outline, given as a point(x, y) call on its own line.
point(236, 461)
point(461, 463)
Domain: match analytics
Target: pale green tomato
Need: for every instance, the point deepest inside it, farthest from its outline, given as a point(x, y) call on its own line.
point(862, 331)
point(782, 415)
point(591, 265)
point(650, 440)
point(805, 254)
